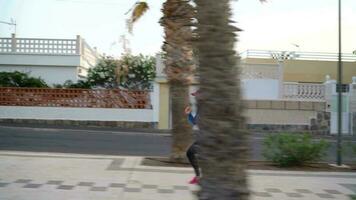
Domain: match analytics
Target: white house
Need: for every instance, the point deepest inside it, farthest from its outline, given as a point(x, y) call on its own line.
point(54, 60)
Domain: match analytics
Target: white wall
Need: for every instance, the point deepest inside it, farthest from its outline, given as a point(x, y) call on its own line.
point(279, 117)
point(79, 114)
point(54, 69)
point(260, 89)
point(346, 123)
point(155, 101)
point(50, 74)
point(37, 59)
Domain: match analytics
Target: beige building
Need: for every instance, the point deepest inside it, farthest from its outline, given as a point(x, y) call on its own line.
point(283, 90)
point(303, 67)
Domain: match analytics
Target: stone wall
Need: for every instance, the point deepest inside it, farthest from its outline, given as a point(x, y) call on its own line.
point(287, 116)
point(118, 124)
point(321, 124)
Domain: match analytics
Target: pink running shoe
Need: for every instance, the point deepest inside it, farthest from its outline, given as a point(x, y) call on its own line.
point(195, 180)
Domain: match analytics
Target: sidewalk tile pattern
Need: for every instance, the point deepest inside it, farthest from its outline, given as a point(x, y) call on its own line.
point(127, 179)
point(140, 187)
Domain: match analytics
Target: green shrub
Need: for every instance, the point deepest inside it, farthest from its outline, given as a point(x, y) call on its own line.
point(79, 84)
point(293, 149)
point(20, 79)
point(137, 72)
point(82, 84)
point(103, 75)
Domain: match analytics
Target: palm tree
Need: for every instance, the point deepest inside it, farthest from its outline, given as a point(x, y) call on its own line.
point(223, 143)
point(177, 22)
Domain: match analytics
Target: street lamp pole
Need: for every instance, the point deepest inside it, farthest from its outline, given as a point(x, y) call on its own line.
point(339, 90)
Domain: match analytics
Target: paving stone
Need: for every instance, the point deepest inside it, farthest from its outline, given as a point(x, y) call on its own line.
point(180, 187)
point(117, 185)
point(261, 194)
point(273, 190)
point(54, 182)
point(165, 191)
point(4, 184)
point(332, 191)
point(32, 185)
point(99, 189)
point(325, 196)
point(116, 164)
point(23, 181)
point(145, 186)
point(132, 189)
point(294, 194)
point(66, 187)
point(86, 184)
point(303, 191)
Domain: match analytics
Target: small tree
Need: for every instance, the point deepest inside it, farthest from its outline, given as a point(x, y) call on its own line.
point(137, 71)
point(130, 72)
point(103, 75)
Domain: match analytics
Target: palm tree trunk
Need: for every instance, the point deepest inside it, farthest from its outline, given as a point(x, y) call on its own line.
point(223, 143)
point(181, 130)
point(176, 20)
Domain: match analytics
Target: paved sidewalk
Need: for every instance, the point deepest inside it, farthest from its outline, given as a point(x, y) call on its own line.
point(44, 176)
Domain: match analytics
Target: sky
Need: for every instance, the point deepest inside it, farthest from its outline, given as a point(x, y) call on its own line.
point(276, 25)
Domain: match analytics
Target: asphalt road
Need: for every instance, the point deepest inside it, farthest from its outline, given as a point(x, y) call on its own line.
point(83, 141)
point(112, 142)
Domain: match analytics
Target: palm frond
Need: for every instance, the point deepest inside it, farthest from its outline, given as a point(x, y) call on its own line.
point(138, 11)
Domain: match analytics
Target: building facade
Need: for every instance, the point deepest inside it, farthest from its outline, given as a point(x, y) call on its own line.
point(54, 60)
point(288, 91)
point(280, 74)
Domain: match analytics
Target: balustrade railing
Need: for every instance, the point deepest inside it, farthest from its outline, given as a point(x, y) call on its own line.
point(76, 46)
point(39, 46)
point(304, 91)
point(298, 55)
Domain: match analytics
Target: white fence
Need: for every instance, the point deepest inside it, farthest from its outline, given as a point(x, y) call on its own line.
point(77, 114)
point(297, 55)
point(39, 46)
point(259, 71)
point(76, 46)
point(19, 103)
point(304, 91)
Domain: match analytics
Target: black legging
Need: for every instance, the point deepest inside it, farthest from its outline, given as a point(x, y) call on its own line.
point(192, 157)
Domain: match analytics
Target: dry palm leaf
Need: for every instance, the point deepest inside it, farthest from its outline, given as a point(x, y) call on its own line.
point(138, 11)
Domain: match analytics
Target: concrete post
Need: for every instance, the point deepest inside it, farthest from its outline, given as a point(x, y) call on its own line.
point(330, 88)
point(281, 79)
point(78, 49)
point(13, 43)
point(155, 99)
point(164, 110)
point(352, 106)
